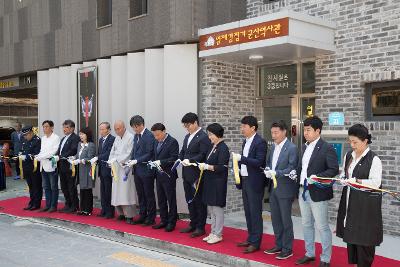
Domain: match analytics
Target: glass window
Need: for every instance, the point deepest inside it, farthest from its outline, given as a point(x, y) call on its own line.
point(137, 8)
point(280, 80)
point(104, 13)
point(308, 77)
point(383, 101)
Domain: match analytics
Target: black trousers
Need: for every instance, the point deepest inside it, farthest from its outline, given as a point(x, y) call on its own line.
point(69, 189)
point(86, 200)
point(34, 181)
point(17, 170)
point(105, 195)
point(197, 208)
point(146, 196)
point(281, 214)
point(252, 202)
point(363, 256)
point(166, 196)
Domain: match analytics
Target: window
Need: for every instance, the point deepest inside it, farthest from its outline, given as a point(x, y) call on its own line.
point(104, 13)
point(137, 8)
point(383, 101)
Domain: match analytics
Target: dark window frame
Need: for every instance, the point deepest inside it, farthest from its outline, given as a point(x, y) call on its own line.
point(144, 11)
point(97, 15)
point(368, 97)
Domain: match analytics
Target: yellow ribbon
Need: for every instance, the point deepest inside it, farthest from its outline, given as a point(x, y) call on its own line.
point(114, 172)
point(236, 169)
point(35, 162)
point(21, 173)
point(198, 184)
point(274, 180)
point(93, 171)
point(72, 169)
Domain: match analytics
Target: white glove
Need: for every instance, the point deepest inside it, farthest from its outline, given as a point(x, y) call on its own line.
point(293, 174)
point(185, 162)
point(268, 174)
point(22, 157)
point(237, 156)
point(83, 161)
point(157, 162)
point(203, 166)
point(57, 158)
point(93, 160)
point(111, 161)
point(76, 162)
point(131, 163)
point(71, 161)
point(352, 180)
point(311, 181)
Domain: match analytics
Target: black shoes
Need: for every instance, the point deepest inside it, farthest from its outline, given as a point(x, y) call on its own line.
point(159, 226)
point(305, 260)
point(324, 264)
point(44, 209)
point(170, 228)
point(273, 250)
point(284, 255)
point(34, 208)
point(28, 208)
point(129, 221)
point(121, 218)
point(187, 230)
point(243, 244)
point(148, 223)
point(51, 210)
point(138, 221)
point(250, 249)
point(197, 233)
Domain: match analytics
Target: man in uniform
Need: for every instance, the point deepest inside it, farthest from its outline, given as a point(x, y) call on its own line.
point(31, 147)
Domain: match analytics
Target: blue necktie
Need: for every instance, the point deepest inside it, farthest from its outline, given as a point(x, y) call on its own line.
point(159, 145)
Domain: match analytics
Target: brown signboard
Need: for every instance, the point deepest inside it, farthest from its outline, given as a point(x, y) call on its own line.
point(246, 34)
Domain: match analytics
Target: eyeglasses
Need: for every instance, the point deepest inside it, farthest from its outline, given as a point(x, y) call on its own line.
point(187, 125)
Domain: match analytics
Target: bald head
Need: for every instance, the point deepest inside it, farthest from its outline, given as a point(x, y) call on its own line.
point(119, 128)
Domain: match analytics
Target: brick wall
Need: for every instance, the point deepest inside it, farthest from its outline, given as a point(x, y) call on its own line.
point(368, 49)
point(227, 93)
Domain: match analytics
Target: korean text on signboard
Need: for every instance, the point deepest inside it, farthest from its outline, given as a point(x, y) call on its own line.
point(251, 33)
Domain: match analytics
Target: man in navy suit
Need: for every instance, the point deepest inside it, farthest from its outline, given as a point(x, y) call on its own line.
point(282, 162)
point(68, 147)
point(142, 153)
point(106, 142)
point(318, 158)
point(166, 151)
point(252, 163)
point(194, 150)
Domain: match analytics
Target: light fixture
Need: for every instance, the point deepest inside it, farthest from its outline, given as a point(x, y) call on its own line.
point(256, 57)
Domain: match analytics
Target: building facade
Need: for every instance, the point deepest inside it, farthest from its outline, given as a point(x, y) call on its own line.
point(356, 82)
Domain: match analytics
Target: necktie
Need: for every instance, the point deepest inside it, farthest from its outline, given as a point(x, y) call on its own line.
point(159, 145)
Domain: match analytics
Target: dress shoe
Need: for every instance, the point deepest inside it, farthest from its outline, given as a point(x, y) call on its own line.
point(159, 226)
point(28, 208)
point(51, 210)
point(170, 228)
point(243, 244)
point(284, 255)
point(120, 218)
point(101, 215)
point(187, 230)
point(70, 210)
point(272, 251)
point(80, 213)
point(148, 223)
point(44, 209)
point(138, 221)
point(305, 260)
point(86, 213)
point(129, 221)
point(324, 264)
point(34, 208)
point(250, 249)
point(109, 216)
point(197, 233)
point(64, 209)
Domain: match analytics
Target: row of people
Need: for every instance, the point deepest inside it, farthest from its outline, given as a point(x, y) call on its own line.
point(208, 154)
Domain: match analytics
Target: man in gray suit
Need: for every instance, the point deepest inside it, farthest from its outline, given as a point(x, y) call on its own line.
point(281, 165)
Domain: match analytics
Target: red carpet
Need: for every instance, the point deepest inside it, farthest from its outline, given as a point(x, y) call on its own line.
point(228, 246)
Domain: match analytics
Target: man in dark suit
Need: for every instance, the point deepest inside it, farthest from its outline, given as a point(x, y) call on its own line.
point(142, 153)
point(194, 150)
point(166, 151)
point(252, 163)
point(106, 142)
point(318, 158)
point(68, 148)
point(282, 163)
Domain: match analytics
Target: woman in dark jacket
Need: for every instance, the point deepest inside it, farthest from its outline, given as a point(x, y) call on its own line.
point(86, 151)
point(215, 178)
point(359, 220)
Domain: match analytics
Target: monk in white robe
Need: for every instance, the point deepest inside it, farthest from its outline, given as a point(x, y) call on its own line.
point(123, 186)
